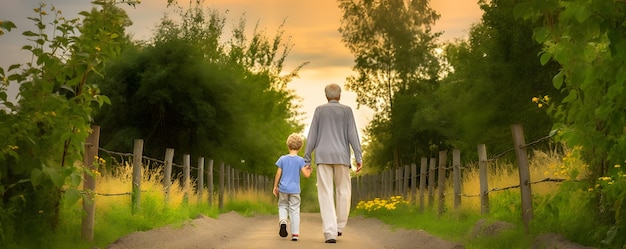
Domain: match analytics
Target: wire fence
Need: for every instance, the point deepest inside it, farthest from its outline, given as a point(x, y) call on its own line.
point(213, 184)
point(428, 180)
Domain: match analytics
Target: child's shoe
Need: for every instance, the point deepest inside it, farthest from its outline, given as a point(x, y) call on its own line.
point(283, 228)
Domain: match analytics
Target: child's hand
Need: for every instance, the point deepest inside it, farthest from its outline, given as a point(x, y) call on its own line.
point(275, 191)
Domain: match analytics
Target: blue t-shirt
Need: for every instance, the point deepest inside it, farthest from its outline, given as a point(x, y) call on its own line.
point(290, 178)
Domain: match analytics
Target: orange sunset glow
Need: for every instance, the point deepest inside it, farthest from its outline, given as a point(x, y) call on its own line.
point(311, 27)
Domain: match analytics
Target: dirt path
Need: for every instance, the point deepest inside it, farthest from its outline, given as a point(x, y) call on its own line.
point(232, 230)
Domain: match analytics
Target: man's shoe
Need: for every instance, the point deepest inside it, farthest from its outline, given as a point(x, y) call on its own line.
point(283, 229)
point(331, 241)
point(294, 237)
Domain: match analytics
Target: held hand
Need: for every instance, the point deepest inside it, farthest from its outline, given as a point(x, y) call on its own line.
point(358, 167)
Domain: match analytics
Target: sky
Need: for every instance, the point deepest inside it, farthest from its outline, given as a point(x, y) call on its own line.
point(311, 25)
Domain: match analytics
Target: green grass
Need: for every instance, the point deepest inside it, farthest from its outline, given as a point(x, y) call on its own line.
point(563, 208)
point(114, 217)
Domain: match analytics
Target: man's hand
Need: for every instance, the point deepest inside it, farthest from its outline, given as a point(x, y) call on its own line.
point(358, 167)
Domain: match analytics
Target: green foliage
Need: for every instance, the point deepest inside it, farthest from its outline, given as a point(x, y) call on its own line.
point(613, 189)
point(494, 75)
point(587, 39)
point(191, 91)
point(570, 212)
point(392, 44)
point(589, 49)
point(395, 64)
point(44, 132)
point(566, 210)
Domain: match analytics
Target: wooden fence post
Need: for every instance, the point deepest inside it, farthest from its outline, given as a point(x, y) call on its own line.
point(233, 180)
point(390, 181)
point(209, 178)
point(382, 183)
point(423, 174)
point(395, 178)
point(362, 180)
point(524, 174)
point(137, 157)
point(456, 171)
point(442, 181)
point(229, 182)
point(89, 186)
point(431, 182)
point(167, 178)
point(237, 178)
point(200, 184)
point(414, 188)
point(405, 186)
point(375, 186)
point(355, 193)
point(220, 204)
point(484, 183)
point(186, 176)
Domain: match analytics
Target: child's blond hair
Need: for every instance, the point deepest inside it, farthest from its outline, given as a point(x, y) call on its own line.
point(295, 141)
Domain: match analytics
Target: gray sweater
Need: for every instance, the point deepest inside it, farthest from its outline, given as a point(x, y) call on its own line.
point(331, 135)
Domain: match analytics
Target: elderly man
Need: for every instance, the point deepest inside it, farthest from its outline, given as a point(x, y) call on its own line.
point(333, 132)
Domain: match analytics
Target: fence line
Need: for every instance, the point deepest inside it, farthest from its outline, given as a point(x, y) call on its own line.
point(230, 179)
point(367, 186)
point(394, 181)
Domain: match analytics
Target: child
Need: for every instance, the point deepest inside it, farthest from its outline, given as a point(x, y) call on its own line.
point(287, 186)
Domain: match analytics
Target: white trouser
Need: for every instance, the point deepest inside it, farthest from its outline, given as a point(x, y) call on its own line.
point(334, 217)
point(290, 204)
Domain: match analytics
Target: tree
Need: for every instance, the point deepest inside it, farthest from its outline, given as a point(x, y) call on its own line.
point(392, 44)
point(394, 59)
point(191, 91)
point(44, 133)
point(495, 75)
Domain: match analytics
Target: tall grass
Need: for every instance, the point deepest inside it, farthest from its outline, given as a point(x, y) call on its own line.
point(115, 219)
point(559, 207)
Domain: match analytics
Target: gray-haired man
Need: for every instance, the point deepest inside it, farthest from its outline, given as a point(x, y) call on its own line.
point(332, 134)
